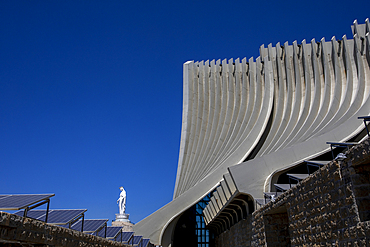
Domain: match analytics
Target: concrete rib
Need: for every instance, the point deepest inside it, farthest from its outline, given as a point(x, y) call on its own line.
point(290, 117)
point(200, 120)
point(185, 120)
point(281, 104)
point(299, 111)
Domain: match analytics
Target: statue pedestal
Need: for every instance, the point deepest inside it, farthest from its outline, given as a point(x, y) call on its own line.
point(122, 220)
point(122, 217)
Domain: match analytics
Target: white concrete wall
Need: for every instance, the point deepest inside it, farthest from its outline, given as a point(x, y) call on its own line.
point(311, 93)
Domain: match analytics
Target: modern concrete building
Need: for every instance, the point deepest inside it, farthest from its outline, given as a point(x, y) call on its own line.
point(247, 122)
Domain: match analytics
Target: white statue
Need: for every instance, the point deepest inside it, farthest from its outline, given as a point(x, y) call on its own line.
point(122, 201)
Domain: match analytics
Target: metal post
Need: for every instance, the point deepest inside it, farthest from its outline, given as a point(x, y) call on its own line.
point(25, 212)
point(367, 130)
point(47, 211)
point(308, 168)
point(83, 220)
point(331, 148)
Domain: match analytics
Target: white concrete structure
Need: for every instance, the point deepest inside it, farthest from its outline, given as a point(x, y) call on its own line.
point(244, 120)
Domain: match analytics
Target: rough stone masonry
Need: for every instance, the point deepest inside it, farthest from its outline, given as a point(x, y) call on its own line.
point(329, 208)
point(18, 231)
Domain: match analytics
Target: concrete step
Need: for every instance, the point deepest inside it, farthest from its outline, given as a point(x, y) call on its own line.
point(297, 177)
point(269, 194)
point(283, 187)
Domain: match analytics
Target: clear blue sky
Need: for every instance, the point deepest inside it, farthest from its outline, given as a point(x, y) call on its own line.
point(91, 91)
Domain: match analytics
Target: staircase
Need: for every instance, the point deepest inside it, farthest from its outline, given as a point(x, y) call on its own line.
point(293, 178)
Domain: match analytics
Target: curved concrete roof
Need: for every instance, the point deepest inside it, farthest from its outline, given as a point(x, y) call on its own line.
point(280, 109)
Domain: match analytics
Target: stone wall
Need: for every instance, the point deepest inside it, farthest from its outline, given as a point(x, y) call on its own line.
point(329, 208)
point(19, 231)
point(238, 234)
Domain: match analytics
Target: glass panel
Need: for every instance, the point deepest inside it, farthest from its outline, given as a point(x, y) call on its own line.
point(201, 231)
